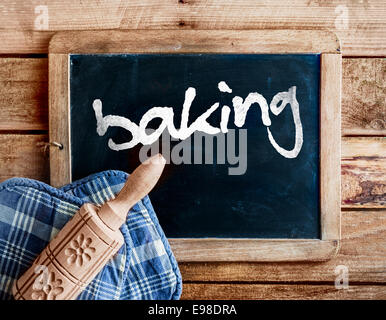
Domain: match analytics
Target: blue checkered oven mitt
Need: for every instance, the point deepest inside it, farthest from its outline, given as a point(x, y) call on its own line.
point(32, 213)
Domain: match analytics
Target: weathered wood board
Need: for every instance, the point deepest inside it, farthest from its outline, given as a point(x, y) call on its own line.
point(359, 24)
point(281, 292)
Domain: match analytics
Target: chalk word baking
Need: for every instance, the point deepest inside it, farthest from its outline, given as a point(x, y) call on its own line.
point(240, 107)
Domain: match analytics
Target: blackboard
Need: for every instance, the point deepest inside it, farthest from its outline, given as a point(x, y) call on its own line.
point(284, 205)
point(277, 197)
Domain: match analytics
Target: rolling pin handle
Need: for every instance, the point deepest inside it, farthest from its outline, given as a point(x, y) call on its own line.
point(110, 217)
point(113, 213)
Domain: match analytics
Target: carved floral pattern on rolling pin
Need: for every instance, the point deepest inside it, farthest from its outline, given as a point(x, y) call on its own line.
point(48, 288)
point(80, 251)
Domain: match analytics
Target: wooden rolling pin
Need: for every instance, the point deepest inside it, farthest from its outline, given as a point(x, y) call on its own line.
point(86, 243)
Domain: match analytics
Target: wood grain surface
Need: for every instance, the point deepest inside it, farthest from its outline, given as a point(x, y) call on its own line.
point(330, 115)
point(23, 155)
point(232, 291)
point(364, 97)
point(24, 94)
point(59, 128)
point(192, 41)
point(361, 28)
point(359, 24)
point(364, 172)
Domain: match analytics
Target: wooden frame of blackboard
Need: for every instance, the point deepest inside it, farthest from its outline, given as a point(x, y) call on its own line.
point(217, 41)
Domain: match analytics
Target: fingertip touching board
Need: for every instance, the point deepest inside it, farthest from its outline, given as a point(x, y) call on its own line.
point(251, 133)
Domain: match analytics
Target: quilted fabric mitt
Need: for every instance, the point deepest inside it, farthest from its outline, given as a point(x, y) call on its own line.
point(32, 213)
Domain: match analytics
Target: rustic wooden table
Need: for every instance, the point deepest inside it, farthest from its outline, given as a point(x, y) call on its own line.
point(361, 26)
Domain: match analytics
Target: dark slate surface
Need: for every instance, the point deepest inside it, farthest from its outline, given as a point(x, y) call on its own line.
point(275, 198)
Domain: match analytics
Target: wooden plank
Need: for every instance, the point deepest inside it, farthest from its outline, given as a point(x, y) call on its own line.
point(330, 92)
point(27, 70)
point(363, 148)
point(363, 251)
point(364, 172)
point(23, 82)
point(359, 24)
point(195, 41)
point(24, 41)
point(229, 291)
point(59, 120)
point(24, 94)
point(23, 156)
point(253, 249)
point(364, 97)
point(364, 183)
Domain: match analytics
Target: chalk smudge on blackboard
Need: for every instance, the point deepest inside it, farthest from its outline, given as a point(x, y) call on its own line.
point(223, 87)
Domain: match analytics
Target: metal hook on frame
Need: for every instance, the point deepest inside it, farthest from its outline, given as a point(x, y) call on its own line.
point(52, 144)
